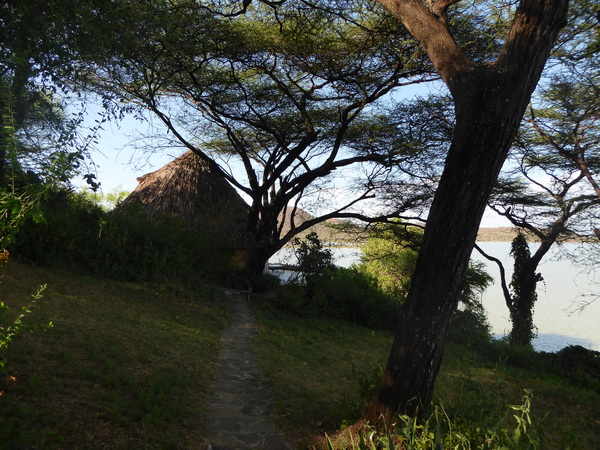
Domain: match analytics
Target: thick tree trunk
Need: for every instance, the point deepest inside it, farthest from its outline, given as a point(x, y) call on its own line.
point(521, 332)
point(480, 147)
point(258, 258)
point(262, 244)
point(489, 102)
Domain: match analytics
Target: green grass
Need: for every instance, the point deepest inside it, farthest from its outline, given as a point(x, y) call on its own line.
point(317, 368)
point(124, 366)
point(130, 366)
point(321, 370)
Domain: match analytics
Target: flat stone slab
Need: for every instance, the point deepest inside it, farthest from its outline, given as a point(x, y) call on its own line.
point(238, 410)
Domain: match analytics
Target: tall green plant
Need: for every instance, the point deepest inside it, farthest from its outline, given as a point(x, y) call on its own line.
point(390, 255)
point(13, 323)
point(314, 260)
point(16, 204)
point(523, 292)
point(437, 432)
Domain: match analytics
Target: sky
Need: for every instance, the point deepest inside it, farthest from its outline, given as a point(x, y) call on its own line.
point(117, 161)
point(119, 158)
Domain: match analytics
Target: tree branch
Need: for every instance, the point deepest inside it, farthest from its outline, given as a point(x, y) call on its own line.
point(432, 32)
point(505, 291)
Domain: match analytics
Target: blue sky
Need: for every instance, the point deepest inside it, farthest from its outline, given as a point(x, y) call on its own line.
point(119, 158)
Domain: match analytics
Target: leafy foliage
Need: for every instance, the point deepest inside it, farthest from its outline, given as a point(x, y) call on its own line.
point(29, 170)
point(350, 295)
point(11, 325)
point(314, 261)
point(336, 292)
point(341, 294)
point(356, 294)
point(523, 287)
point(389, 256)
point(281, 89)
point(438, 432)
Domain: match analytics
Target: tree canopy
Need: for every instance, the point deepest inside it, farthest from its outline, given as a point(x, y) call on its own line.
point(41, 140)
point(277, 100)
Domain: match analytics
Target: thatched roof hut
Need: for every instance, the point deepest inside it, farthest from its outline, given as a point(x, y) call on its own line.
point(187, 190)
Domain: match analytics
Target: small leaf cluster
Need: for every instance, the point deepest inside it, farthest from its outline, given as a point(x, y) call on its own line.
point(11, 326)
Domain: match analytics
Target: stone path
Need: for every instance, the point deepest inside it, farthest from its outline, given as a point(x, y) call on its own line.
point(238, 411)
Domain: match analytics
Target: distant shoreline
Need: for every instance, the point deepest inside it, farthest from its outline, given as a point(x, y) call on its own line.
point(485, 234)
point(497, 234)
point(507, 234)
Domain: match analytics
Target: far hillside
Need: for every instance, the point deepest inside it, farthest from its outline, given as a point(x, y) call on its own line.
point(498, 234)
point(350, 234)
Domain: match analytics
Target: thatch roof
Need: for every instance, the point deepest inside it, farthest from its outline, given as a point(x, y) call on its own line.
point(189, 191)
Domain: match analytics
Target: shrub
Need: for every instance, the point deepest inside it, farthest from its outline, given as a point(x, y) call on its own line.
point(12, 324)
point(390, 256)
point(266, 283)
point(439, 432)
point(470, 328)
point(351, 295)
point(341, 293)
point(78, 234)
point(314, 261)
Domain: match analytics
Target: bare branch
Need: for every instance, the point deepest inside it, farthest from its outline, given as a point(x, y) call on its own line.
point(505, 291)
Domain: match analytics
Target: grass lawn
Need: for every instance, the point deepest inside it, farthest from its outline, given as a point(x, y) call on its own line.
point(130, 366)
point(322, 370)
point(123, 366)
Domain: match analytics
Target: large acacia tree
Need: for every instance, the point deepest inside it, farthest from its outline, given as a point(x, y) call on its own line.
point(248, 73)
point(276, 98)
point(490, 97)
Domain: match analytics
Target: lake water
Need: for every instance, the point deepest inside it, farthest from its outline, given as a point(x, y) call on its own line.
point(556, 315)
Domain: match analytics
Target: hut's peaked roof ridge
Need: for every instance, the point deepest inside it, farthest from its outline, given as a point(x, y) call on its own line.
point(188, 190)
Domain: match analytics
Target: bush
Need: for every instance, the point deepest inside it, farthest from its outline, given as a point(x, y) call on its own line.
point(342, 293)
point(266, 283)
point(78, 234)
point(314, 261)
point(470, 328)
point(353, 296)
